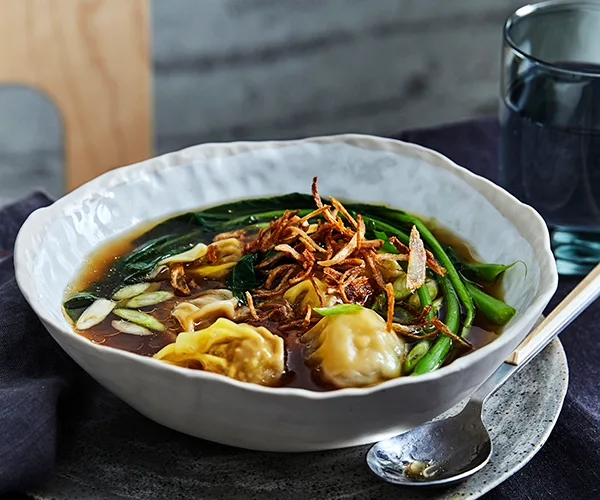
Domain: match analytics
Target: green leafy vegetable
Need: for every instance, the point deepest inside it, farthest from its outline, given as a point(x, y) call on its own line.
point(187, 222)
point(243, 276)
point(208, 221)
point(249, 206)
point(141, 261)
point(77, 303)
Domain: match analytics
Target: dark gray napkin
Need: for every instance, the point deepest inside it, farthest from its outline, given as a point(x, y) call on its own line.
point(38, 382)
point(33, 370)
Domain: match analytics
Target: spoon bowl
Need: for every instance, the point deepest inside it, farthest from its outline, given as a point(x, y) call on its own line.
point(434, 454)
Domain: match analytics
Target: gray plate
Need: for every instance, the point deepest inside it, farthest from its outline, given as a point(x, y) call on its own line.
point(116, 453)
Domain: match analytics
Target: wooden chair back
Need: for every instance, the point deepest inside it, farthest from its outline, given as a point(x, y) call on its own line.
point(92, 59)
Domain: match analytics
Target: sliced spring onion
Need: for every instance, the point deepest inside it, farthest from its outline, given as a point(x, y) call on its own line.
point(130, 328)
point(432, 289)
point(149, 299)
point(401, 291)
point(95, 314)
point(140, 318)
point(437, 303)
point(129, 291)
point(416, 353)
point(337, 309)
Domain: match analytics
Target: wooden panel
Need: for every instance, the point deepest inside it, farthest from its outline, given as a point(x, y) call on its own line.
point(92, 58)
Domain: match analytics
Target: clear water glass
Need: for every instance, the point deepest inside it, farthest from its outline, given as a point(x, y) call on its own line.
point(550, 119)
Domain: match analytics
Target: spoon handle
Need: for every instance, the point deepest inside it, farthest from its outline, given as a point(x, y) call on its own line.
point(571, 306)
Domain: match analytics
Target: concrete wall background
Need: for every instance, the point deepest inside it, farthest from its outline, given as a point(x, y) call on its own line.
point(274, 69)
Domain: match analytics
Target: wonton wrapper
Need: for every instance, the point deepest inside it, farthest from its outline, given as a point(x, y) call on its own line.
point(304, 294)
point(240, 351)
point(194, 253)
point(207, 307)
point(228, 252)
point(354, 349)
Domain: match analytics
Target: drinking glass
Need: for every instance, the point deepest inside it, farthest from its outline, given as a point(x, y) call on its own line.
point(550, 119)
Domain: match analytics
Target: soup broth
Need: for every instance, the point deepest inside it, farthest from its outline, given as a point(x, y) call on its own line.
point(103, 273)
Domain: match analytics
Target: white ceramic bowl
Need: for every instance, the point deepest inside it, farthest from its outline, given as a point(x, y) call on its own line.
point(54, 242)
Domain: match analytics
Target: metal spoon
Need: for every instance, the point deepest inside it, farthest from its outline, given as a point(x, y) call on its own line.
point(449, 450)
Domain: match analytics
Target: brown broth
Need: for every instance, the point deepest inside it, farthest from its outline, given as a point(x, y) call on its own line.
point(297, 374)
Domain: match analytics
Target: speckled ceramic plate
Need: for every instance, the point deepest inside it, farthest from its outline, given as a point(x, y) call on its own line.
point(112, 452)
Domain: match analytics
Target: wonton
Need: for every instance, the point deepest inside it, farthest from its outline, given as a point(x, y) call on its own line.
point(237, 350)
point(354, 349)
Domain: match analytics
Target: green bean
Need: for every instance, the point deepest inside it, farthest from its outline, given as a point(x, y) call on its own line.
point(415, 355)
point(480, 272)
point(438, 352)
point(434, 357)
point(424, 294)
point(425, 299)
point(487, 273)
point(494, 310)
point(387, 246)
point(383, 226)
point(430, 240)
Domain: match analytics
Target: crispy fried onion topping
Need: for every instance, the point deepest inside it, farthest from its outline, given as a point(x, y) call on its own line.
point(328, 249)
point(329, 244)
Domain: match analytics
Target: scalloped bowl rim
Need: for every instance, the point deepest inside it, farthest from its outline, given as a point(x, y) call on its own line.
point(39, 219)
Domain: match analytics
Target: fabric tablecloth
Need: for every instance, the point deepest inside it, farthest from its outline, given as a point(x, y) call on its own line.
point(40, 387)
